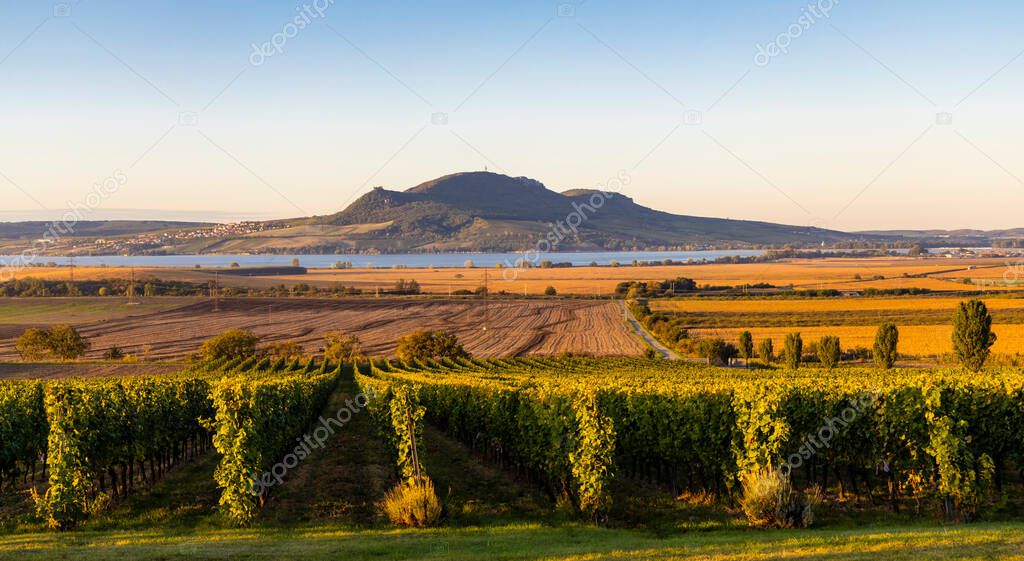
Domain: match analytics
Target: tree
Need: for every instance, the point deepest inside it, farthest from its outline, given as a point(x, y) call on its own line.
point(295, 261)
point(550, 291)
point(972, 334)
point(288, 350)
point(66, 343)
point(829, 351)
point(403, 286)
point(793, 350)
point(34, 344)
point(341, 347)
point(917, 250)
point(231, 344)
point(886, 340)
point(766, 350)
point(468, 264)
point(717, 351)
point(746, 346)
point(423, 344)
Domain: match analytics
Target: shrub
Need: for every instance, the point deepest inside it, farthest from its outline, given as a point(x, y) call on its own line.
point(769, 501)
point(792, 353)
point(114, 353)
point(829, 351)
point(550, 291)
point(429, 344)
point(414, 503)
point(341, 347)
point(231, 344)
point(717, 351)
point(886, 341)
point(766, 351)
point(288, 350)
point(34, 344)
point(972, 334)
point(650, 353)
point(66, 343)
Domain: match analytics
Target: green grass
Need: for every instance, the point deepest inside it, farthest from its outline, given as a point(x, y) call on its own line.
point(523, 541)
point(38, 311)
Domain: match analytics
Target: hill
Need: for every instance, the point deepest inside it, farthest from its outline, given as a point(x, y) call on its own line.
point(491, 212)
point(474, 211)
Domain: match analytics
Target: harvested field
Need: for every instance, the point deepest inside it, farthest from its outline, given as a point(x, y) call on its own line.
point(916, 303)
point(840, 274)
point(514, 327)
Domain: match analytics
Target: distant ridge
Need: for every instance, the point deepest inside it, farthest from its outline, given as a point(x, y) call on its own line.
point(471, 211)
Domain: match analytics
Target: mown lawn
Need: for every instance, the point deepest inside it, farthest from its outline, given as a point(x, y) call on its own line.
point(525, 541)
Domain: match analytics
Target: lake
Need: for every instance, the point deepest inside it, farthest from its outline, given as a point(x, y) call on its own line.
point(386, 261)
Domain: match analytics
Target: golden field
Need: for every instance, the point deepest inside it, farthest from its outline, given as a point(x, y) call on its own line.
point(839, 274)
point(917, 340)
point(825, 304)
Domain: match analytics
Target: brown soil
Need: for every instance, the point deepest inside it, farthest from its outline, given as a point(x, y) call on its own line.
point(501, 328)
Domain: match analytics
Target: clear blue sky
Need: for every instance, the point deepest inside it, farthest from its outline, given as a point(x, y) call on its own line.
point(839, 130)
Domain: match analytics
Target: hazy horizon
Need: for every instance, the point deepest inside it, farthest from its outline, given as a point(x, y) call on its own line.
point(876, 116)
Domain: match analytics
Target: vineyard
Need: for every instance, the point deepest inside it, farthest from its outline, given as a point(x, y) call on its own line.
point(611, 443)
point(92, 442)
point(944, 438)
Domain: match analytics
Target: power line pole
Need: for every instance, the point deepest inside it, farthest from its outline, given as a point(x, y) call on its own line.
point(71, 264)
point(487, 302)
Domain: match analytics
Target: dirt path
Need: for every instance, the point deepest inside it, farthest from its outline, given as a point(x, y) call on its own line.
point(650, 339)
point(344, 480)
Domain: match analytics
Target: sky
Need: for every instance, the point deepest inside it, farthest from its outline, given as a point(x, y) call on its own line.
point(845, 114)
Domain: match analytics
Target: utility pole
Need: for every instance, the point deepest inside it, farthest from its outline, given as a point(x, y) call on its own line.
point(71, 264)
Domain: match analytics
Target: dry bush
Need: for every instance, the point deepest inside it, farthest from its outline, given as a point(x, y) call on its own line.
point(414, 504)
point(769, 501)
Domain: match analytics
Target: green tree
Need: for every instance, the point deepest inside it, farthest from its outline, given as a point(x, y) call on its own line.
point(972, 334)
point(288, 350)
point(829, 351)
point(66, 343)
point(341, 347)
point(34, 344)
point(717, 351)
point(231, 344)
point(792, 352)
point(746, 346)
point(429, 344)
point(766, 350)
point(887, 339)
point(550, 291)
